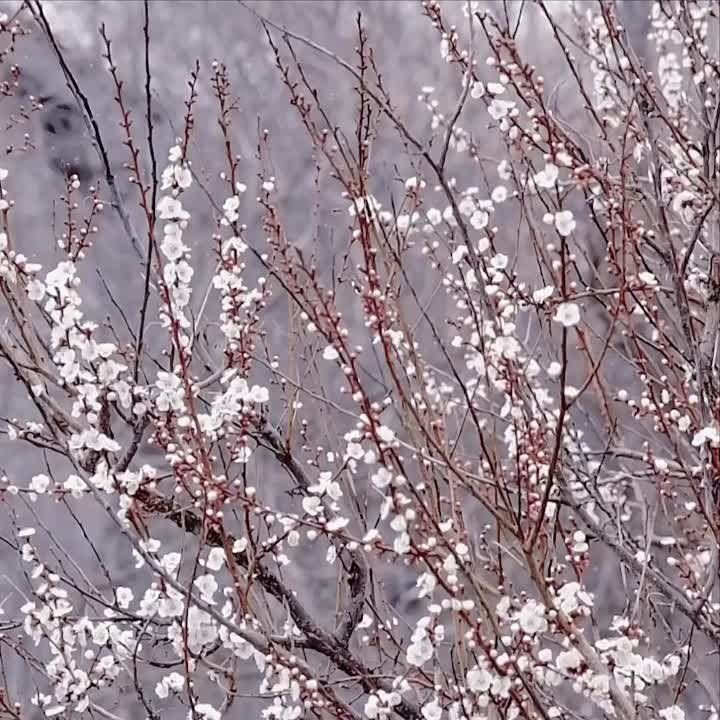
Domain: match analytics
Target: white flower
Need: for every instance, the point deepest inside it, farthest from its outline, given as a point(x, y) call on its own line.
point(258, 394)
point(499, 109)
point(477, 90)
point(230, 207)
point(568, 660)
point(372, 709)
point(672, 713)
point(507, 346)
point(567, 314)
point(501, 686)
point(479, 680)
point(61, 275)
point(541, 295)
point(3, 174)
point(336, 524)
point(458, 254)
point(174, 681)
point(565, 222)
point(330, 353)
point(426, 584)
point(466, 206)
point(479, 219)
point(216, 559)
point(432, 710)
point(503, 170)
point(40, 484)
point(385, 434)
point(572, 596)
point(95, 440)
point(681, 201)
point(380, 703)
point(201, 629)
point(124, 597)
point(183, 177)
point(170, 208)
point(171, 393)
point(382, 478)
point(499, 194)
point(207, 711)
point(354, 450)
point(367, 206)
point(532, 618)
point(326, 485)
point(75, 485)
point(311, 505)
point(647, 278)
point(239, 545)
point(434, 216)
point(706, 434)
point(419, 652)
point(401, 544)
point(171, 562)
point(671, 664)
point(580, 542)
point(207, 585)
point(413, 183)
point(548, 177)
point(499, 262)
point(35, 290)
point(172, 245)
point(449, 216)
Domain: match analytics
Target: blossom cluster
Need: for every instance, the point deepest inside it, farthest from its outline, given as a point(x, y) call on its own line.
point(501, 397)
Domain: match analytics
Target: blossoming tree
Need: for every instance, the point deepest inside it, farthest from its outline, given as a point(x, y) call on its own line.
point(504, 385)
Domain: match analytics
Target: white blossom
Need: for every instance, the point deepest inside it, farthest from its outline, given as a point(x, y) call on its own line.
point(170, 208)
point(171, 395)
point(35, 290)
point(567, 314)
point(479, 680)
point(707, 434)
point(326, 484)
point(499, 109)
point(434, 216)
point(385, 433)
point(420, 651)
point(547, 178)
point(433, 710)
point(207, 712)
point(541, 295)
point(479, 219)
point(477, 90)
point(565, 222)
point(40, 484)
point(673, 712)
point(532, 618)
point(173, 682)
